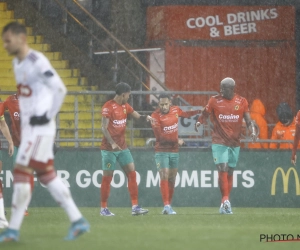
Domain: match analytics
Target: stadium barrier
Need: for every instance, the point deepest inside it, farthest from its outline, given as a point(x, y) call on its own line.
point(263, 178)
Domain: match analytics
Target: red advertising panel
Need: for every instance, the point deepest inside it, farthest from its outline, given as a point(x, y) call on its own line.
point(221, 23)
point(267, 73)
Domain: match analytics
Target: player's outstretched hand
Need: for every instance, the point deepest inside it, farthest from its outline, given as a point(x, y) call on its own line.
point(10, 149)
point(181, 142)
point(39, 120)
point(150, 119)
point(197, 125)
point(294, 159)
point(116, 147)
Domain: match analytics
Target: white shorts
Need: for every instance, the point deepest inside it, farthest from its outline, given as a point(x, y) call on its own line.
point(36, 152)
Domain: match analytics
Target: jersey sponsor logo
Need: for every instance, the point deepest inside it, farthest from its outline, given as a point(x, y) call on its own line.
point(171, 129)
point(119, 123)
point(16, 116)
point(24, 90)
point(105, 111)
point(228, 118)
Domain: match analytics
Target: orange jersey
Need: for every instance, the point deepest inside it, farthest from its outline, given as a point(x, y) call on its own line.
point(12, 105)
point(117, 115)
point(166, 128)
point(281, 132)
point(227, 118)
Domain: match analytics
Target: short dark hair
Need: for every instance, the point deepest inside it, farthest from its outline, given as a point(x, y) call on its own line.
point(164, 96)
point(15, 27)
point(122, 88)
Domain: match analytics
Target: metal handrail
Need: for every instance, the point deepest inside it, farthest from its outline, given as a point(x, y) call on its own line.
point(97, 39)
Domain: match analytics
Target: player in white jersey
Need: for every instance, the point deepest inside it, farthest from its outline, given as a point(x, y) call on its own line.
point(41, 93)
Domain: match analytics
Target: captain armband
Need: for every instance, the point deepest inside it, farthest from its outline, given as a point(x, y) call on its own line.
point(2, 118)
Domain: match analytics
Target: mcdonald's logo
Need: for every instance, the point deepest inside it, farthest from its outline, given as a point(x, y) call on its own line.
point(285, 180)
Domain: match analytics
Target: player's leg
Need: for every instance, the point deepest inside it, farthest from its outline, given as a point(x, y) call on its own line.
point(3, 221)
point(20, 200)
point(232, 162)
point(14, 156)
point(21, 192)
point(126, 162)
point(220, 156)
point(230, 179)
point(174, 161)
point(42, 162)
point(108, 167)
point(163, 163)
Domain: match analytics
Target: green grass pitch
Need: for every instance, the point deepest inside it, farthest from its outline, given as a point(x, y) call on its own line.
point(191, 228)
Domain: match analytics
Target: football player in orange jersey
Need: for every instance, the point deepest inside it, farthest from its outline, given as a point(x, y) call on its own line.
point(227, 111)
point(114, 148)
point(165, 127)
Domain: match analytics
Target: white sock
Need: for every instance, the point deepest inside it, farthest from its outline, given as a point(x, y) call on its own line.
point(62, 196)
point(20, 200)
point(2, 212)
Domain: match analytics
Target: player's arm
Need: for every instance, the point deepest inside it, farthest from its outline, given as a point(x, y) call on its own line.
point(156, 126)
point(202, 118)
point(105, 122)
point(6, 133)
point(55, 84)
point(251, 126)
point(296, 140)
point(295, 145)
point(187, 114)
point(138, 116)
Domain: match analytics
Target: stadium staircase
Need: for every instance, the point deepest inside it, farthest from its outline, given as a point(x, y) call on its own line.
point(74, 82)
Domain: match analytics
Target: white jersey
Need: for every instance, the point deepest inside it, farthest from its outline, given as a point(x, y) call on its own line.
point(40, 91)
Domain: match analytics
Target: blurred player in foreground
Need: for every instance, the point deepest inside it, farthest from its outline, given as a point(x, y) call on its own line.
point(227, 111)
point(5, 131)
point(296, 139)
point(12, 105)
point(165, 127)
point(114, 148)
point(41, 93)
